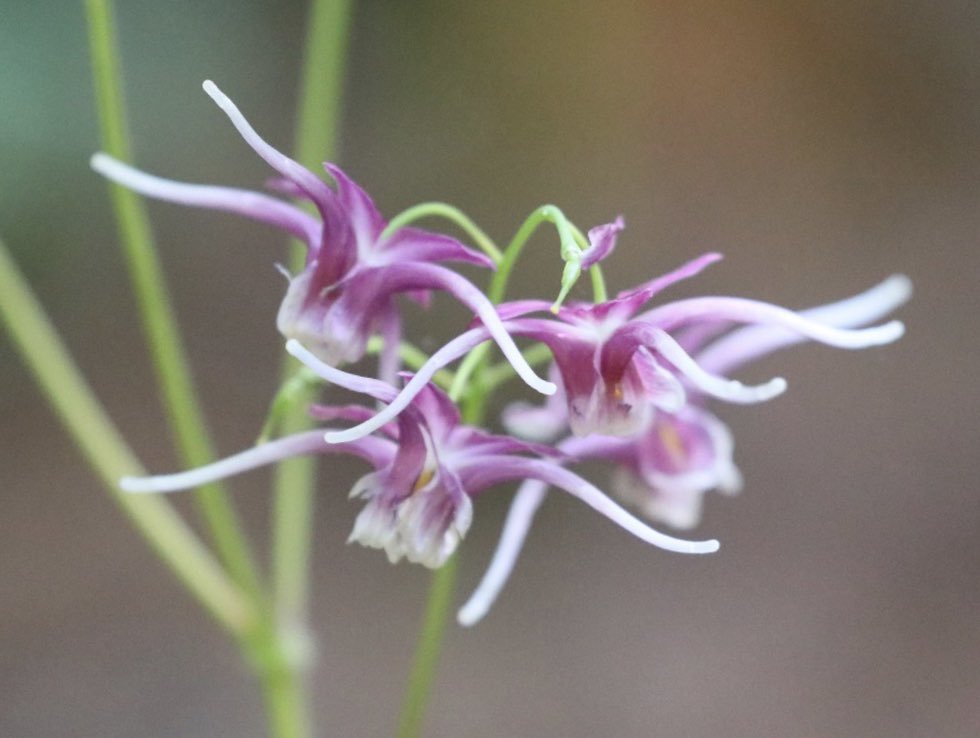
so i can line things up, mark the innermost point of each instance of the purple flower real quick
(665, 470)
(346, 292)
(426, 470)
(619, 368)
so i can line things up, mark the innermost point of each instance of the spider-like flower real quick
(427, 467)
(620, 368)
(665, 470)
(354, 269)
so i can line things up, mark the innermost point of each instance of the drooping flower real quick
(665, 470)
(620, 368)
(426, 470)
(354, 269)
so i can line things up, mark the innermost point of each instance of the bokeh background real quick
(820, 145)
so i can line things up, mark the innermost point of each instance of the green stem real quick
(159, 324)
(90, 428)
(427, 650)
(318, 121)
(450, 213)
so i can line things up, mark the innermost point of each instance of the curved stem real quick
(450, 213)
(159, 323)
(90, 428)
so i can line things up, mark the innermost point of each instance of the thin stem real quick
(427, 649)
(100, 442)
(570, 237)
(159, 323)
(318, 120)
(450, 213)
(599, 293)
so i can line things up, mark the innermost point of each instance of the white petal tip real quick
(901, 284)
(468, 617)
(708, 547)
(545, 388)
(100, 161)
(896, 329)
(210, 87)
(777, 385)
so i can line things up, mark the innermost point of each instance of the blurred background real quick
(820, 145)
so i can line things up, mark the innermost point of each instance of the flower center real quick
(673, 443)
(424, 478)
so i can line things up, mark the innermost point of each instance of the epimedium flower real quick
(665, 470)
(354, 269)
(619, 367)
(427, 467)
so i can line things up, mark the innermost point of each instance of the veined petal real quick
(362, 213)
(315, 187)
(252, 205)
(526, 502)
(374, 450)
(741, 310)
(742, 346)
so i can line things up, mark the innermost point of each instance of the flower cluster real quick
(629, 382)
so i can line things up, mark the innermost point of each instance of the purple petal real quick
(399, 277)
(315, 188)
(373, 450)
(414, 244)
(518, 308)
(740, 310)
(526, 502)
(440, 413)
(515, 467)
(252, 205)
(351, 413)
(481, 443)
(602, 241)
(441, 358)
(363, 216)
(364, 385)
(640, 333)
(742, 346)
(627, 303)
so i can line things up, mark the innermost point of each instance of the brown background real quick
(820, 145)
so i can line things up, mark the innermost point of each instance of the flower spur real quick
(354, 269)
